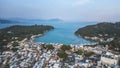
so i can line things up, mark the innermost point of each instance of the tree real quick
(15, 44)
(66, 47)
(49, 47)
(63, 55)
(21, 32)
(79, 52)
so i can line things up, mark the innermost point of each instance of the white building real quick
(109, 59)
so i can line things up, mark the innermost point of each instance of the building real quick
(109, 59)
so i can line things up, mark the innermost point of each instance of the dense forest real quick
(103, 30)
(100, 30)
(19, 32)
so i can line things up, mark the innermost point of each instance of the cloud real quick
(81, 2)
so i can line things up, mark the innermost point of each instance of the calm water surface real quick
(63, 32)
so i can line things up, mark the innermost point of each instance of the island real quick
(19, 32)
(105, 33)
(4, 21)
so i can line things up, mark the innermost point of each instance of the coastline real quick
(34, 36)
(39, 35)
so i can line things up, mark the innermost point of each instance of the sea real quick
(62, 34)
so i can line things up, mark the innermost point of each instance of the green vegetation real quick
(115, 45)
(100, 30)
(15, 44)
(66, 47)
(49, 47)
(18, 32)
(79, 52)
(103, 30)
(62, 55)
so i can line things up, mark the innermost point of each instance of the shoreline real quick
(39, 35)
(34, 36)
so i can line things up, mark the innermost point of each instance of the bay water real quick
(62, 34)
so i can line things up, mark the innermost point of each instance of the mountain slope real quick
(100, 30)
(104, 33)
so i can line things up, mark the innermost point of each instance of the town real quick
(41, 55)
(59, 33)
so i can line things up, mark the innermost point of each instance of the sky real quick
(67, 10)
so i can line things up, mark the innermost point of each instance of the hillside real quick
(105, 33)
(18, 32)
(100, 30)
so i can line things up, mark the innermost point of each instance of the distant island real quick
(13, 20)
(19, 32)
(55, 20)
(4, 21)
(105, 33)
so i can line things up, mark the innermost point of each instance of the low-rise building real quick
(109, 59)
